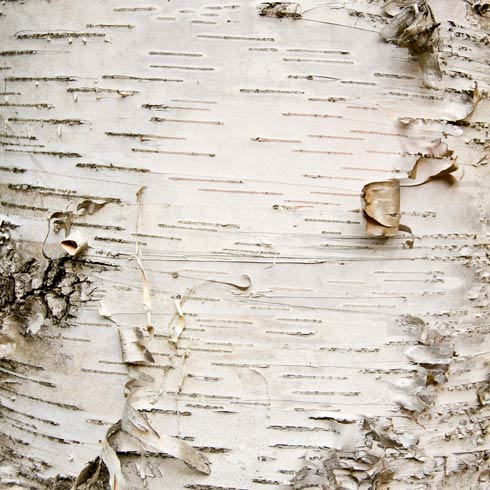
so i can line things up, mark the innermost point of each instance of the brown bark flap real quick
(382, 208)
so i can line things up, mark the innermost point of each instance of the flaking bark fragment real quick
(338, 470)
(317, 472)
(280, 9)
(427, 169)
(105, 471)
(39, 291)
(138, 435)
(134, 432)
(413, 26)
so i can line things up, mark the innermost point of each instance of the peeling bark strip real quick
(134, 433)
(236, 315)
(381, 200)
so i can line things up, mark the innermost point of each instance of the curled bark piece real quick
(381, 208)
(408, 230)
(90, 207)
(134, 346)
(280, 9)
(413, 26)
(89, 474)
(104, 311)
(74, 244)
(241, 287)
(61, 221)
(381, 200)
(179, 320)
(427, 169)
(138, 380)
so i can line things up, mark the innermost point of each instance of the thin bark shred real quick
(133, 433)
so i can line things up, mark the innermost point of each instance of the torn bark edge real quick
(134, 433)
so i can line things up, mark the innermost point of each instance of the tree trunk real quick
(194, 293)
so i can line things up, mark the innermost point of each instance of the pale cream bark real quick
(189, 293)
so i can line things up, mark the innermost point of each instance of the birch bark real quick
(217, 318)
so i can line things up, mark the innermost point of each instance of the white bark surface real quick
(253, 137)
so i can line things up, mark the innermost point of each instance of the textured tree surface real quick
(190, 295)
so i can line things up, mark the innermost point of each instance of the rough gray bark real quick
(190, 295)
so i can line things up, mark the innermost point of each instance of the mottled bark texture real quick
(206, 281)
